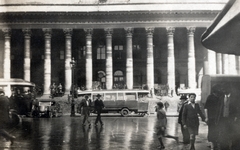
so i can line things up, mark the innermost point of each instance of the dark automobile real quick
(46, 108)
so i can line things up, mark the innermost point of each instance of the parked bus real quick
(120, 101)
(20, 93)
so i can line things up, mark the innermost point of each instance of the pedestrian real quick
(86, 108)
(98, 108)
(213, 108)
(161, 125)
(234, 117)
(190, 119)
(60, 90)
(166, 105)
(185, 133)
(4, 119)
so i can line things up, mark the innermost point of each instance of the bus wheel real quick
(124, 112)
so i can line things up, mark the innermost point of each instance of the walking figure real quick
(86, 105)
(98, 108)
(161, 125)
(190, 119)
(185, 133)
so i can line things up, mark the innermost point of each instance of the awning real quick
(223, 35)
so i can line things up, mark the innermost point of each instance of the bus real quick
(120, 101)
(20, 93)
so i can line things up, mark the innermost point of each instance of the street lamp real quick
(73, 65)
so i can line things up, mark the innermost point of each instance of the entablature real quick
(111, 19)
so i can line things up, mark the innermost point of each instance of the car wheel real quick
(124, 112)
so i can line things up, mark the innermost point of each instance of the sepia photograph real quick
(119, 75)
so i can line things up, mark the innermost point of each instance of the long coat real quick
(4, 111)
(86, 108)
(190, 116)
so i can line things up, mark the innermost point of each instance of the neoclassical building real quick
(134, 43)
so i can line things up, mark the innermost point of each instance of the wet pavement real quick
(117, 133)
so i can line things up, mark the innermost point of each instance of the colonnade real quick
(219, 62)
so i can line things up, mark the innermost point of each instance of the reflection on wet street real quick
(118, 133)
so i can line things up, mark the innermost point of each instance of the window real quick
(142, 96)
(137, 54)
(101, 54)
(61, 55)
(136, 47)
(82, 52)
(130, 96)
(118, 49)
(118, 80)
(120, 96)
(110, 96)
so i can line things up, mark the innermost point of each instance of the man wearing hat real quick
(185, 133)
(86, 105)
(98, 108)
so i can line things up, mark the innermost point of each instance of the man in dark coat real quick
(190, 118)
(86, 108)
(4, 119)
(98, 108)
(213, 112)
(185, 133)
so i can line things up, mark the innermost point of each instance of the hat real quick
(99, 95)
(183, 97)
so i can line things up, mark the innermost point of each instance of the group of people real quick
(222, 111)
(221, 114)
(86, 106)
(56, 90)
(5, 119)
(188, 119)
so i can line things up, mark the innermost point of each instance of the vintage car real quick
(120, 101)
(46, 108)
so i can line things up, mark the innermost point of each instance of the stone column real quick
(191, 59)
(89, 72)
(109, 63)
(7, 54)
(205, 62)
(47, 61)
(232, 64)
(219, 63)
(171, 59)
(150, 63)
(129, 56)
(68, 57)
(225, 63)
(238, 64)
(27, 51)
(212, 62)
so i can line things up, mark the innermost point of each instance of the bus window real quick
(120, 96)
(142, 96)
(110, 96)
(130, 96)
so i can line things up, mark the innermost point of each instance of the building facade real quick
(116, 44)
